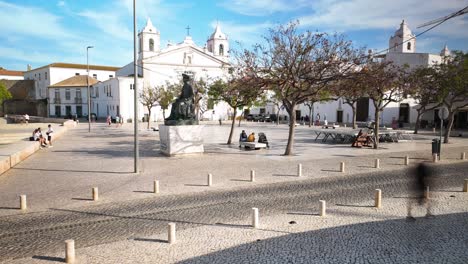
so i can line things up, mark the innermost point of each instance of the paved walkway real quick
(62, 177)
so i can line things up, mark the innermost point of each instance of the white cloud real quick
(246, 34)
(31, 21)
(60, 3)
(262, 7)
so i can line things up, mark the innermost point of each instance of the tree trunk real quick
(197, 112)
(240, 118)
(449, 125)
(376, 127)
(149, 118)
(233, 123)
(292, 125)
(310, 115)
(353, 107)
(418, 121)
(164, 114)
(277, 116)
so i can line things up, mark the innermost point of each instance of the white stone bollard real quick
(255, 221)
(407, 160)
(95, 194)
(156, 187)
(378, 198)
(342, 166)
(377, 164)
(435, 159)
(252, 175)
(23, 203)
(210, 179)
(299, 170)
(70, 251)
(171, 233)
(463, 156)
(465, 186)
(323, 208)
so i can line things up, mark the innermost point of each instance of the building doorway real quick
(68, 112)
(79, 110)
(298, 115)
(362, 109)
(403, 116)
(339, 116)
(58, 112)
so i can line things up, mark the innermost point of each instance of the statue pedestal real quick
(177, 140)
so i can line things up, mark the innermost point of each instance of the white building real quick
(158, 65)
(57, 72)
(70, 96)
(402, 51)
(10, 75)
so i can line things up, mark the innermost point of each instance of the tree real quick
(167, 93)
(383, 82)
(323, 96)
(452, 79)
(236, 93)
(4, 94)
(423, 89)
(149, 96)
(200, 91)
(298, 66)
(351, 89)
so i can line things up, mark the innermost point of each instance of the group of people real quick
(118, 120)
(251, 138)
(44, 141)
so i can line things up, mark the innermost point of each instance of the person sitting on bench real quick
(251, 137)
(242, 137)
(263, 139)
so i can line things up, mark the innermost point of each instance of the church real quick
(158, 65)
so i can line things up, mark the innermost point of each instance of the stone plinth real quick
(177, 140)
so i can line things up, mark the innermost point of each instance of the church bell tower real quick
(148, 41)
(218, 44)
(403, 41)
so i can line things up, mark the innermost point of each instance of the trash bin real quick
(436, 146)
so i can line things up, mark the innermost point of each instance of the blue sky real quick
(39, 32)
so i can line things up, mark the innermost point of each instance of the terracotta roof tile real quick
(10, 73)
(79, 66)
(75, 81)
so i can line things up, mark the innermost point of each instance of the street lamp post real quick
(87, 84)
(135, 93)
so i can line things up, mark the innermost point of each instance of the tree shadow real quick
(355, 205)
(48, 258)
(82, 199)
(9, 208)
(396, 241)
(151, 240)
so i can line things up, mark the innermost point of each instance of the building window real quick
(78, 94)
(111, 76)
(77, 73)
(110, 91)
(151, 45)
(67, 94)
(131, 86)
(45, 74)
(221, 50)
(39, 76)
(95, 76)
(408, 46)
(97, 91)
(57, 95)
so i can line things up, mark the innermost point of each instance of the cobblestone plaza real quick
(128, 224)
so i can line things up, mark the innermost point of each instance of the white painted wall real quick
(11, 77)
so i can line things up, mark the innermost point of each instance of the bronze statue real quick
(183, 109)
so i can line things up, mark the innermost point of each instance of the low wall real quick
(14, 153)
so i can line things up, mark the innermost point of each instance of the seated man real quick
(243, 137)
(263, 139)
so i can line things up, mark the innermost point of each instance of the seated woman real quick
(38, 137)
(251, 137)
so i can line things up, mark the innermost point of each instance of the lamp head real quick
(89, 47)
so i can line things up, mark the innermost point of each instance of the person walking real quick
(108, 120)
(417, 189)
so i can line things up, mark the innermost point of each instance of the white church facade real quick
(158, 65)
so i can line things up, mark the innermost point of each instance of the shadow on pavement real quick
(439, 240)
(47, 258)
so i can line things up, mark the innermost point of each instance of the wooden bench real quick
(252, 145)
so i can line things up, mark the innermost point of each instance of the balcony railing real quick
(56, 100)
(78, 100)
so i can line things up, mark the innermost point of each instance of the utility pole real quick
(135, 91)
